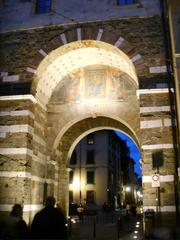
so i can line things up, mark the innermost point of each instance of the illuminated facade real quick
(96, 175)
(70, 68)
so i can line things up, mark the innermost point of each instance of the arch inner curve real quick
(62, 61)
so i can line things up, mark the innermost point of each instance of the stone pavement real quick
(107, 226)
(162, 228)
(113, 226)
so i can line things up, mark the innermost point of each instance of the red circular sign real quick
(155, 177)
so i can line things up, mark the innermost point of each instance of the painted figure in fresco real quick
(121, 87)
(95, 83)
(69, 89)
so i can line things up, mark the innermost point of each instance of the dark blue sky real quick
(134, 152)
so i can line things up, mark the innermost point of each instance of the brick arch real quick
(115, 123)
(72, 136)
(81, 32)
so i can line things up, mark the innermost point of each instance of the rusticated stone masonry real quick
(140, 39)
(36, 140)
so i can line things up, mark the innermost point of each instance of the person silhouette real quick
(80, 210)
(14, 227)
(49, 223)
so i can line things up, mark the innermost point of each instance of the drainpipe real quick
(80, 166)
(174, 98)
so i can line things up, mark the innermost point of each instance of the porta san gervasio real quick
(71, 68)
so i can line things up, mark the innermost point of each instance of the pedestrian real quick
(80, 210)
(14, 227)
(123, 211)
(133, 210)
(49, 223)
(104, 206)
(127, 210)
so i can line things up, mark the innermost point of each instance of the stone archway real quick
(82, 86)
(81, 33)
(44, 118)
(34, 126)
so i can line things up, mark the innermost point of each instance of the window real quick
(90, 157)
(90, 197)
(90, 177)
(43, 6)
(90, 139)
(70, 196)
(73, 159)
(71, 175)
(125, 2)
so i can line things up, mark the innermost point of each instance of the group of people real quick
(48, 223)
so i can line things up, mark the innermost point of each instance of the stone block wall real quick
(23, 160)
(158, 154)
(26, 48)
(16, 130)
(26, 131)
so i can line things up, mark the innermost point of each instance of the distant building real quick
(96, 171)
(130, 182)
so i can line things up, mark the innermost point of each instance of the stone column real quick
(158, 151)
(16, 134)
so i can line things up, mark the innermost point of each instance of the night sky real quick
(134, 152)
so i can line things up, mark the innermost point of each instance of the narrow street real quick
(112, 226)
(107, 226)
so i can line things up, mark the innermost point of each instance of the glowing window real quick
(43, 6)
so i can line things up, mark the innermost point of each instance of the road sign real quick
(155, 180)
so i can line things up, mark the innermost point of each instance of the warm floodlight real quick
(76, 184)
(128, 189)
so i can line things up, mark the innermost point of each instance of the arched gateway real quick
(78, 88)
(84, 86)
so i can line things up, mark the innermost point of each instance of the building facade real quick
(95, 170)
(69, 68)
(130, 183)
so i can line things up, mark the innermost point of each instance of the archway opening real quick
(84, 86)
(102, 173)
